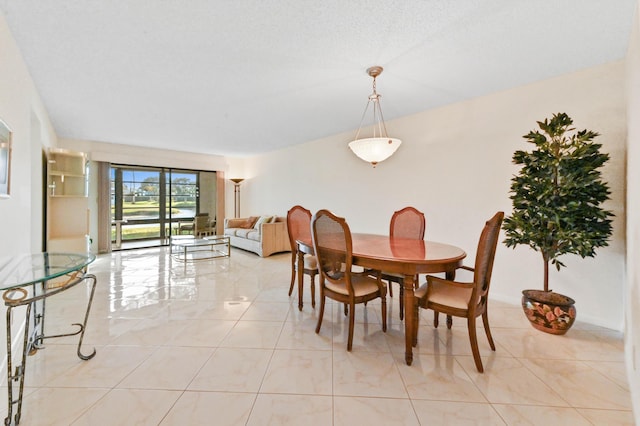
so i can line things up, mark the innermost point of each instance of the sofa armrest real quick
(275, 238)
(273, 226)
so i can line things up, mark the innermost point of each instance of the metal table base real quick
(34, 334)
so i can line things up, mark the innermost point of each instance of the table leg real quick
(94, 281)
(300, 277)
(409, 306)
(81, 327)
(18, 374)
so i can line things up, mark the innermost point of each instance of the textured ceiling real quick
(240, 77)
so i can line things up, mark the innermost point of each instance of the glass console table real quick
(27, 280)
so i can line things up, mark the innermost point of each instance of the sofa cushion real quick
(253, 235)
(230, 231)
(243, 233)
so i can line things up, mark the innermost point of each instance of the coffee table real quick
(186, 247)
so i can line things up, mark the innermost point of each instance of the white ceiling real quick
(240, 77)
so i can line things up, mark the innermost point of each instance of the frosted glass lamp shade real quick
(374, 150)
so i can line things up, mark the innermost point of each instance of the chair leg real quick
(449, 321)
(352, 320)
(320, 313)
(390, 288)
(313, 291)
(401, 301)
(293, 275)
(384, 313)
(416, 322)
(485, 321)
(473, 339)
(436, 320)
(346, 309)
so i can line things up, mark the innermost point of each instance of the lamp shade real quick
(374, 150)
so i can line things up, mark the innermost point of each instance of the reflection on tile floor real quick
(219, 342)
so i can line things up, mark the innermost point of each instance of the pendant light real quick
(380, 146)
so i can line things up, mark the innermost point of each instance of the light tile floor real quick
(220, 342)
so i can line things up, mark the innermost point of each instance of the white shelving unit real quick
(68, 204)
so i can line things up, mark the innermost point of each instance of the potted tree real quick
(557, 197)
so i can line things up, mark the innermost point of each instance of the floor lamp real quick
(236, 196)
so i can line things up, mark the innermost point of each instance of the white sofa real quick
(263, 239)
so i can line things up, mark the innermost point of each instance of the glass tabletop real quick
(21, 270)
(194, 242)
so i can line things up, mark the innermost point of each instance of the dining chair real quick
(189, 226)
(299, 226)
(405, 223)
(333, 248)
(464, 299)
(185, 227)
(202, 225)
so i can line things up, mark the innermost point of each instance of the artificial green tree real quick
(557, 194)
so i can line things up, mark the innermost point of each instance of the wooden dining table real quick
(399, 255)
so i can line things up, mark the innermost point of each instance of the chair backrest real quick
(407, 223)
(201, 223)
(333, 247)
(485, 255)
(298, 224)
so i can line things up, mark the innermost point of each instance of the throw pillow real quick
(250, 222)
(261, 220)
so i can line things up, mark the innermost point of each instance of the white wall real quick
(22, 110)
(21, 214)
(455, 165)
(632, 305)
(37, 200)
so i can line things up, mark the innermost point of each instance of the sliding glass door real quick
(181, 202)
(150, 204)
